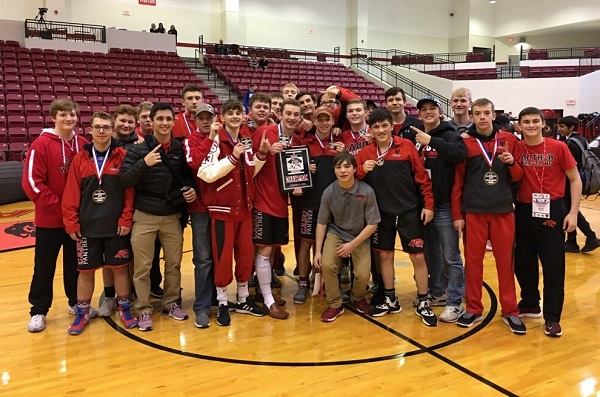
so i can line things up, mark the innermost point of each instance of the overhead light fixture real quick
(492, 1)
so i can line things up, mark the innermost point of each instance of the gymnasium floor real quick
(394, 355)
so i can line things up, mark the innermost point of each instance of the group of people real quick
(376, 172)
(161, 29)
(256, 63)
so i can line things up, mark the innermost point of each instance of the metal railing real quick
(556, 53)
(52, 30)
(391, 77)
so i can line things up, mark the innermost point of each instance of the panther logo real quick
(21, 229)
(549, 223)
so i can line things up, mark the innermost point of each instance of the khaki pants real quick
(144, 231)
(331, 265)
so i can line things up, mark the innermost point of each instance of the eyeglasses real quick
(328, 103)
(97, 128)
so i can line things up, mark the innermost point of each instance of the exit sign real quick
(147, 2)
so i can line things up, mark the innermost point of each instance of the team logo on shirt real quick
(537, 160)
(361, 198)
(549, 223)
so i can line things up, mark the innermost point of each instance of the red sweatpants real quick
(501, 231)
(232, 240)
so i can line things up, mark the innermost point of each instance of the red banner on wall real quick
(147, 2)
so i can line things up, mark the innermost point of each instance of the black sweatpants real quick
(543, 239)
(48, 242)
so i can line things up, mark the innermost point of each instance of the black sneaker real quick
(467, 319)
(157, 292)
(427, 315)
(571, 247)
(388, 306)
(515, 324)
(591, 244)
(552, 329)
(378, 295)
(249, 307)
(280, 268)
(223, 317)
(275, 282)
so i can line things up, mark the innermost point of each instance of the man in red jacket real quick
(44, 178)
(98, 212)
(228, 192)
(191, 98)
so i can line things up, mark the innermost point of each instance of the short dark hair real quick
(569, 121)
(232, 104)
(161, 106)
(260, 97)
(101, 116)
(303, 93)
(394, 91)
(276, 95)
(344, 157)
(481, 102)
(379, 115)
(530, 111)
(190, 88)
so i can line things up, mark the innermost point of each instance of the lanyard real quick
(187, 124)
(99, 168)
(488, 159)
(379, 154)
(231, 138)
(361, 134)
(321, 142)
(540, 179)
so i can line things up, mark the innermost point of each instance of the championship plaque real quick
(293, 168)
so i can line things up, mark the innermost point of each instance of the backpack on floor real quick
(590, 170)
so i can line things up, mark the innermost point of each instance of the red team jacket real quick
(45, 175)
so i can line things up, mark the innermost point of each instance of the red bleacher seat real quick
(17, 151)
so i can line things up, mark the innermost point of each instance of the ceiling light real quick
(492, 1)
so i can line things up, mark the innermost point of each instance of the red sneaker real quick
(331, 314)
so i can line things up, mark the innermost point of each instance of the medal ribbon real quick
(187, 123)
(379, 154)
(488, 159)
(360, 133)
(321, 142)
(99, 168)
(540, 179)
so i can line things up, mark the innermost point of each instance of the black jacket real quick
(157, 190)
(445, 149)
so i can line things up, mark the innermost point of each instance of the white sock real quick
(242, 292)
(222, 296)
(263, 273)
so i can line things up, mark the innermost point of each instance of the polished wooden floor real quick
(394, 355)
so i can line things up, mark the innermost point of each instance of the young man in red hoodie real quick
(228, 192)
(44, 179)
(98, 212)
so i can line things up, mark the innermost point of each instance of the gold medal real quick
(490, 178)
(99, 196)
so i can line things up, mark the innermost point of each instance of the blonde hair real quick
(462, 91)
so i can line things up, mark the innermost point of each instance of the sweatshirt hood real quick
(50, 133)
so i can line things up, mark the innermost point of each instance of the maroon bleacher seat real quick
(17, 151)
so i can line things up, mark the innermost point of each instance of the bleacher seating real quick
(30, 79)
(308, 76)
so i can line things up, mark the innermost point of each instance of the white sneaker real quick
(37, 323)
(451, 314)
(488, 246)
(107, 308)
(93, 313)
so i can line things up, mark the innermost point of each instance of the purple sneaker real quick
(176, 311)
(145, 322)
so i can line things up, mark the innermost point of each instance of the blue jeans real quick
(203, 262)
(444, 263)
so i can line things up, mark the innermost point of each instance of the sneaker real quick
(530, 312)
(427, 315)
(157, 292)
(433, 300)
(176, 311)
(301, 295)
(571, 247)
(202, 320)
(280, 268)
(223, 318)
(37, 323)
(107, 307)
(93, 313)
(386, 307)
(515, 324)
(488, 246)
(249, 307)
(451, 313)
(331, 314)
(590, 245)
(362, 306)
(81, 321)
(553, 329)
(145, 322)
(275, 282)
(467, 319)
(378, 295)
(128, 320)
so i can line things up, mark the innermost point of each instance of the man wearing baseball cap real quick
(441, 147)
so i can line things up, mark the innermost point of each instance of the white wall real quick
(589, 99)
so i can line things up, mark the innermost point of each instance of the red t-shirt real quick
(353, 141)
(548, 163)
